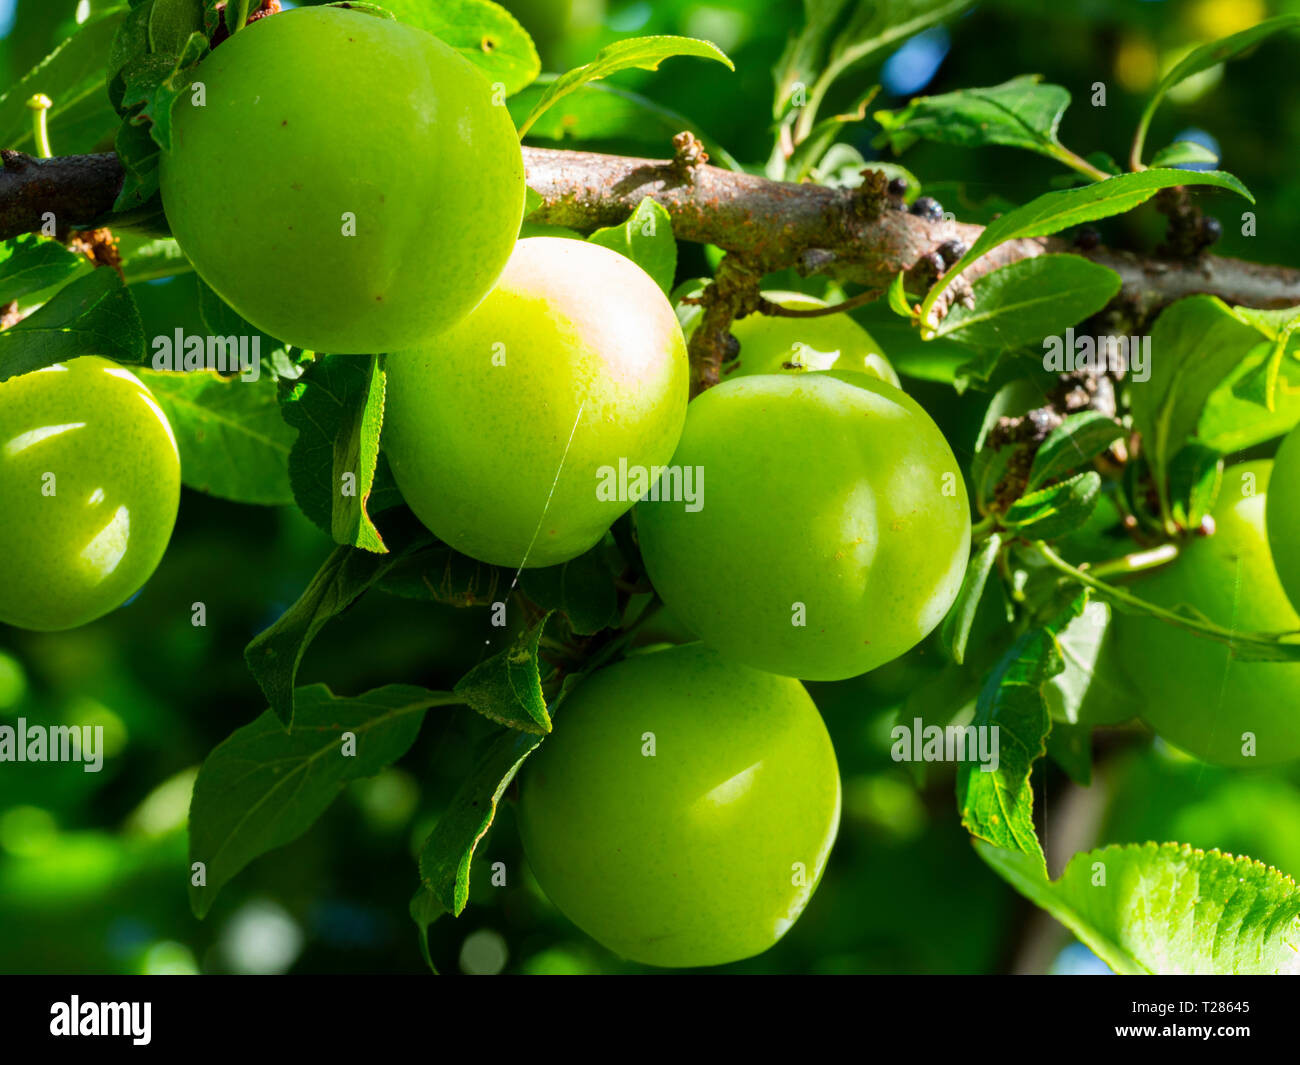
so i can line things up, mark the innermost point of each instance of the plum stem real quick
(40, 105)
(1270, 643)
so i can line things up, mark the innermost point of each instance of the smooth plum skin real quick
(476, 445)
(831, 490)
(316, 112)
(1193, 692)
(71, 557)
(687, 857)
(772, 344)
(1283, 515)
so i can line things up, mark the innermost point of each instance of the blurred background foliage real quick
(93, 866)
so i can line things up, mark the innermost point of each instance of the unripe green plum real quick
(90, 479)
(506, 435)
(771, 344)
(1283, 515)
(1194, 693)
(833, 531)
(683, 810)
(348, 184)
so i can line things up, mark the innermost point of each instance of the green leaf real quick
(425, 909)
(597, 112)
(274, 654)
(1055, 211)
(1260, 386)
(1184, 153)
(1195, 477)
(805, 52)
(1052, 512)
(91, 315)
(233, 442)
(644, 53)
(71, 74)
(364, 6)
(507, 688)
(30, 263)
(581, 589)
(237, 13)
(1208, 55)
(483, 32)
(171, 22)
(151, 88)
(998, 806)
(955, 631)
(861, 29)
(1168, 908)
(266, 785)
(1079, 439)
(139, 155)
(1020, 113)
(130, 45)
(1195, 343)
(152, 259)
(898, 298)
(446, 855)
(812, 152)
(647, 239)
(842, 167)
(1230, 424)
(438, 574)
(1024, 301)
(337, 406)
(1079, 645)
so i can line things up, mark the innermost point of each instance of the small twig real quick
(733, 294)
(1201, 628)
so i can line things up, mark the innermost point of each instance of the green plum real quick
(1283, 515)
(771, 344)
(509, 436)
(833, 531)
(347, 183)
(684, 808)
(1193, 692)
(90, 478)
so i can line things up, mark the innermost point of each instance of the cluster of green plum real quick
(684, 810)
(805, 519)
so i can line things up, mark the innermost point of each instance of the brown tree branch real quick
(75, 189)
(777, 225)
(853, 235)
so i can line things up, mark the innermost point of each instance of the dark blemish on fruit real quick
(488, 44)
(284, 121)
